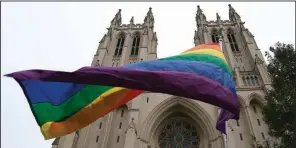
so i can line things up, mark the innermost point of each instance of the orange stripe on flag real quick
(214, 46)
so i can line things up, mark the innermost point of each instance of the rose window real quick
(178, 134)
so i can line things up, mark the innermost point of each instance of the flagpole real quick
(225, 136)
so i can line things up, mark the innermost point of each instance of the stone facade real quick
(140, 122)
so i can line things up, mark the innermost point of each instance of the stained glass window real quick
(178, 134)
(136, 44)
(119, 45)
(232, 41)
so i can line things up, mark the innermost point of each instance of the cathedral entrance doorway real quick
(180, 123)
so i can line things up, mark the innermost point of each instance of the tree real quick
(280, 111)
(265, 144)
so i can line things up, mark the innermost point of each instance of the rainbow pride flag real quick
(64, 102)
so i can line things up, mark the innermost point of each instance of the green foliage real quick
(265, 144)
(280, 110)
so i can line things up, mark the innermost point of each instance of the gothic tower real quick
(154, 120)
(123, 44)
(127, 43)
(248, 66)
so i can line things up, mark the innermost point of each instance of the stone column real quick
(206, 37)
(264, 73)
(247, 113)
(144, 42)
(107, 130)
(124, 56)
(238, 77)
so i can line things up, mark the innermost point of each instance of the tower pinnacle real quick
(200, 17)
(132, 20)
(149, 19)
(233, 15)
(218, 16)
(117, 18)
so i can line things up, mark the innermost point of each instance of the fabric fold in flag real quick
(64, 102)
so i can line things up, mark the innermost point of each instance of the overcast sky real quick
(65, 36)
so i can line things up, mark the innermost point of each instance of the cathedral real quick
(154, 120)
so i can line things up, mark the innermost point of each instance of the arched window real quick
(253, 80)
(232, 41)
(178, 134)
(215, 36)
(248, 81)
(256, 80)
(136, 44)
(119, 45)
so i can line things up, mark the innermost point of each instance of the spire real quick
(218, 16)
(200, 17)
(199, 11)
(117, 18)
(150, 10)
(132, 20)
(149, 17)
(219, 21)
(230, 8)
(233, 15)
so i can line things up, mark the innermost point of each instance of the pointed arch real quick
(136, 43)
(248, 81)
(206, 125)
(256, 80)
(256, 98)
(242, 101)
(215, 35)
(253, 80)
(136, 33)
(120, 42)
(232, 40)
